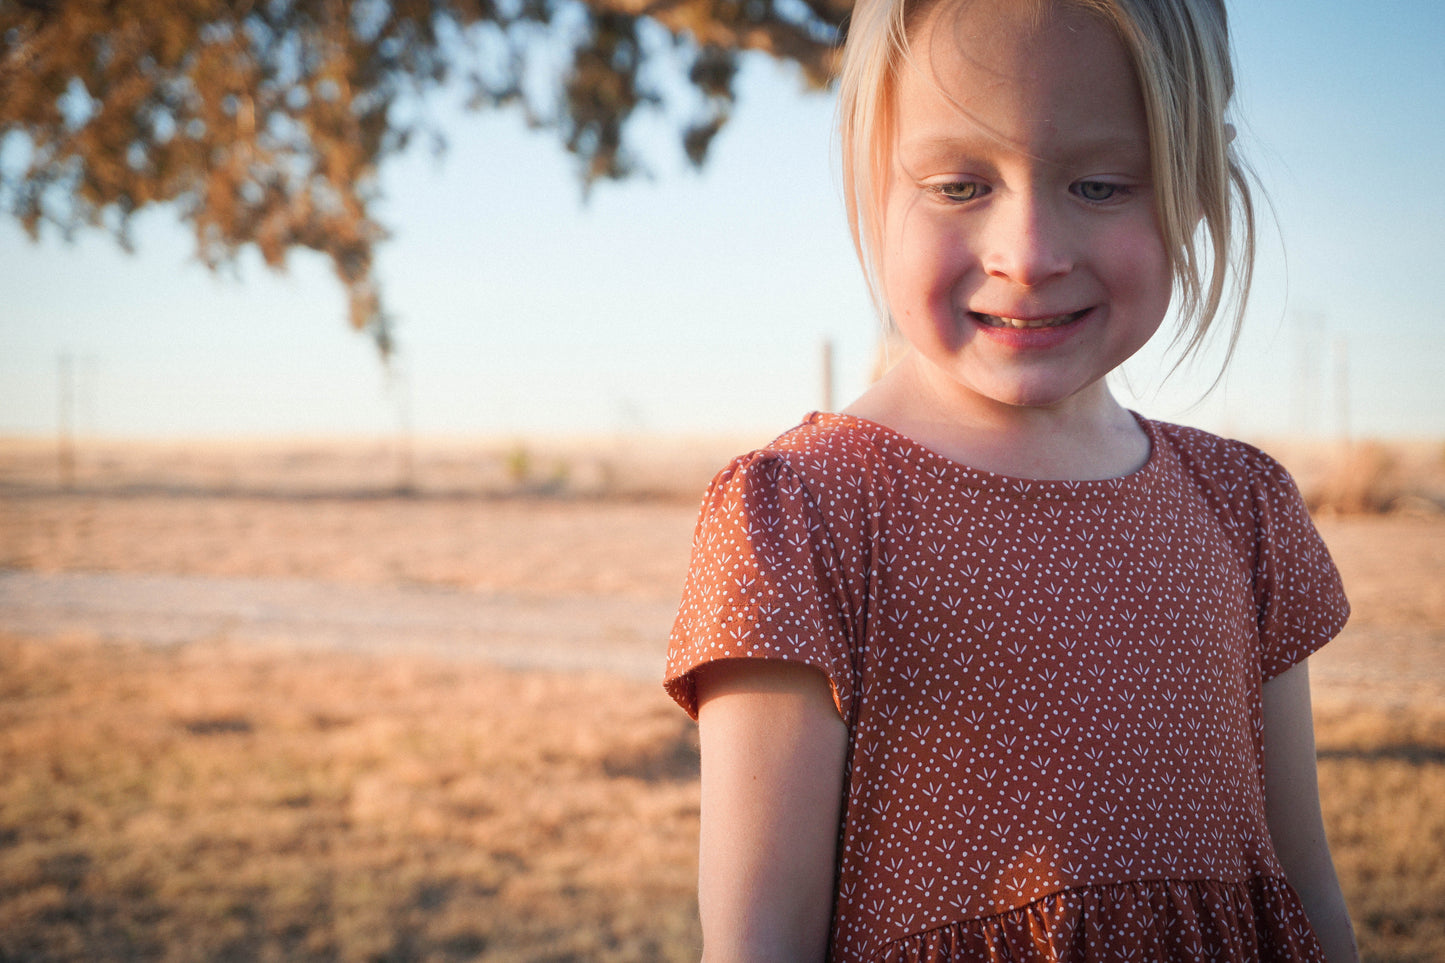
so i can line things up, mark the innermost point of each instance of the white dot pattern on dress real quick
(1052, 688)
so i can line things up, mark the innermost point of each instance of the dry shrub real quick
(1362, 479)
(204, 804)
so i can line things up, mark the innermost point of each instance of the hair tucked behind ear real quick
(1182, 60)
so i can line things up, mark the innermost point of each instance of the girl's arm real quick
(1292, 807)
(773, 749)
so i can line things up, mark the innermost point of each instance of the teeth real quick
(995, 321)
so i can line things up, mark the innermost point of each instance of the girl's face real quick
(1022, 258)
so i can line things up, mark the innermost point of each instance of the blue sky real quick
(695, 302)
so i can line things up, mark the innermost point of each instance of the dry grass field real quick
(202, 804)
(210, 801)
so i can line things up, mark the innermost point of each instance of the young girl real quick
(988, 667)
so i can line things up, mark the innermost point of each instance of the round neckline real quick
(983, 477)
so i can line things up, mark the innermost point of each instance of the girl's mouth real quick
(1054, 321)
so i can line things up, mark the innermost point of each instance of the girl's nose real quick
(1025, 242)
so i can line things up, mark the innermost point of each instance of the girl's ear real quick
(1229, 133)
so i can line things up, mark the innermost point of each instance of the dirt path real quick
(560, 583)
(1377, 665)
(574, 632)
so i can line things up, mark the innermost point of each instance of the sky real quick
(698, 302)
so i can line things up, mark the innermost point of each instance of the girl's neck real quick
(1088, 438)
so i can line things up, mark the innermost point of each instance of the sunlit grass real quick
(210, 804)
(1382, 782)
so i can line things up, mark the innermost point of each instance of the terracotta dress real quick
(1052, 689)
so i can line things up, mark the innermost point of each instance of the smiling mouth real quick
(1054, 321)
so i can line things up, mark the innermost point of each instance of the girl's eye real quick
(960, 191)
(1098, 190)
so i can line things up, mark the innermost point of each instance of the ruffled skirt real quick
(1167, 921)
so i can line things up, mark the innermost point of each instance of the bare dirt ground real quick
(506, 568)
(255, 703)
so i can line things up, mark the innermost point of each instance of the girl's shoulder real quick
(826, 437)
(831, 475)
(1233, 471)
(829, 455)
(1209, 454)
(1253, 496)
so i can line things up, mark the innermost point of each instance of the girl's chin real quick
(1059, 390)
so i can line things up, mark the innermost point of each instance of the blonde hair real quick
(1180, 50)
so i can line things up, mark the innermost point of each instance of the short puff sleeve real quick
(764, 582)
(1300, 597)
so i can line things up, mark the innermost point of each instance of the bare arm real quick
(1292, 807)
(773, 751)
